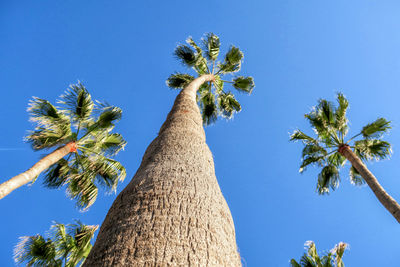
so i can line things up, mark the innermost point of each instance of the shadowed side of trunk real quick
(386, 200)
(172, 213)
(21, 179)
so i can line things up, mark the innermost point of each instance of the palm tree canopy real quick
(78, 119)
(212, 97)
(65, 245)
(330, 125)
(311, 258)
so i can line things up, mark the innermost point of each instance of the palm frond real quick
(108, 172)
(186, 55)
(82, 188)
(376, 129)
(340, 114)
(244, 84)
(228, 105)
(108, 116)
(57, 174)
(298, 135)
(200, 64)
(36, 251)
(179, 80)
(208, 108)
(294, 263)
(355, 177)
(53, 127)
(327, 112)
(368, 149)
(233, 60)
(328, 179)
(218, 84)
(103, 143)
(211, 43)
(336, 159)
(78, 102)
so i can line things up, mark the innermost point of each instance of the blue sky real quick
(297, 52)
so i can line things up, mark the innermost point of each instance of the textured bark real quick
(172, 213)
(43, 164)
(387, 201)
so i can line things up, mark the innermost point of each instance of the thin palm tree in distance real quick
(66, 245)
(81, 133)
(330, 149)
(173, 213)
(333, 258)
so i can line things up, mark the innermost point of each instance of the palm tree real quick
(311, 259)
(82, 158)
(173, 213)
(67, 245)
(330, 150)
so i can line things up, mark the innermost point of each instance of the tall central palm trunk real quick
(23, 178)
(387, 201)
(172, 213)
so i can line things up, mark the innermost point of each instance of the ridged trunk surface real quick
(172, 213)
(21, 179)
(386, 200)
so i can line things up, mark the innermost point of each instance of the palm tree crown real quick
(212, 98)
(311, 259)
(89, 126)
(66, 245)
(331, 127)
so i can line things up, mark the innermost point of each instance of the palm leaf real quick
(36, 251)
(57, 174)
(244, 84)
(340, 114)
(78, 101)
(186, 55)
(179, 80)
(376, 129)
(355, 177)
(233, 60)
(298, 135)
(369, 149)
(228, 105)
(208, 108)
(328, 179)
(211, 43)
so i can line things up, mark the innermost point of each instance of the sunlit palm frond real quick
(82, 188)
(376, 129)
(108, 116)
(244, 84)
(211, 43)
(233, 61)
(311, 258)
(341, 121)
(57, 174)
(328, 179)
(336, 159)
(298, 135)
(228, 105)
(368, 149)
(355, 177)
(78, 102)
(82, 235)
(179, 80)
(208, 108)
(53, 127)
(186, 55)
(36, 251)
(103, 143)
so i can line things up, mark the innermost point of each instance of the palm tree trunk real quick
(172, 213)
(27, 176)
(387, 201)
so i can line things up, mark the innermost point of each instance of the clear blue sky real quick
(297, 51)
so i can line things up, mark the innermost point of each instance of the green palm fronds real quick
(333, 258)
(212, 98)
(65, 245)
(330, 124)
(89, 124)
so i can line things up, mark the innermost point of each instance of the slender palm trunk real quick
(387, 201)
(172, 213)
(21, 179)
